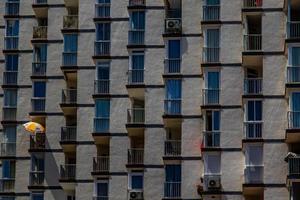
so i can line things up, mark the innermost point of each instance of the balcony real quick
(211, 97)
(211, 13)
(252, 42)
(102, 48)
(137, 3)
(136, 37)
(293, 30)
(135, 157)
(253, 86)
(68, 138)
(37, 143)
(254, 174)
(9, 113)
(38, 104)
(12, 8)
(40, 32)
(70, 22)
(172, 189)
(11, 43)
(211, 55)
(7, 185)
(293, 130)
(252, 3)
(253, 130)
(211, 139)
(102, 10)
(100, 165)
(172, 148)
(172, 66)
(293, 75)
(8, 149)
(68, 172)
(101, 124)
(10, 78)
(294, 168)
(101, 86)
(36, 178)
(39, 68)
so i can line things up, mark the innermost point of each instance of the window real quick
(212, 87)
(12, 27)
(103, 70)
(11, 62)
(37, 163)
(212, 164)
(102, 31)
(294, 56)
(294, 114)
(9, 134)
(211, 50)
(173, 96)
(213, 80)
(40, 53)
(212, 129)
(8, 169)
(12, 7)
(101, 189)
(136, 73)
(174, 55)
(172, 181)
(39, 89)
(37, 196)
(10, 97)
(70, 42)
(103, 8)
(102, 110)
(254, 111)
(254, 155)
(137, 20)
(136, 181)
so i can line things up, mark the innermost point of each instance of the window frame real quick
(130, 175)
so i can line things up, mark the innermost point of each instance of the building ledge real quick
(137, 7)
(98, 134)
(211, 22)
(175, 116)
(135, 125)
(103, 173)
(209, 149)
(292, 85)
(250, 96)
(177, 75)
(70, 30)
(212, 64)
(176, 34)
(253, 53)
(292, 40)
(105, 57)
(255, 140)
(216, 106)
(135, 165)
(136, 46)
(293, 130)
(129, 86)
(172, 158)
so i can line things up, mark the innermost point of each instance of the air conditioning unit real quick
(214, 183)
(173, 25)
(136, 195)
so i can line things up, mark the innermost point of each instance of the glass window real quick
(213, 80)
(254, 110)
(102, 189)
(212, 38)
(70, 42)
(37, 164)
(173, 173)
(295, 103)
(8, 169)
(40, 53)
(9, 134)
(102, 108)
(173, 89)
(294, 56)
(137, 60)
(254, 155)
(12, 27)
(174, 49)
(136, 181)
(103, 31)
(103, 70)
(10, 97)
(39, 89)
(212, 2)
(137, 20)
(11, 62)
(37, 196)
(213, 120)
(212, 164)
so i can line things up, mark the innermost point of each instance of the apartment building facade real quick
(150, 99)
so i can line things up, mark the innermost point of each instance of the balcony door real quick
(8, 169)
(137, 67)
(212, 129)
(294, 56)
(11, 62)
(174, 54)
(173, 96)
(295, 109)
(173, 180)
(101, 189)
(212, 87)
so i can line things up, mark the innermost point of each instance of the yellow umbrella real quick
(34, 127)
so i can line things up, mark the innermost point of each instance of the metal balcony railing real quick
(211, 55)
(36, 178)
(293, 74)
(102, 48)
(172, 189)
(11, 42)
(101, 86)
(8, 149)
(40, 32)
(172, 148)
(68, 134)
(38, 142)
(211, 138)
(294, 166)
(293, 29)
(211, 96)
(38, 104)
(172, 65)
(39, 1)
(102, 10)
(70, 22)
(69, 58)
(135, 156)
(39, 68)
(173, 106)
(136, 116)
(135, 76)
(294, 119)
(254, 174)
(12, 8)
(69, 96)
(253, 86)
(68, 172)
(101, 164)
(136, 37)
(10, 78)
(137, 3)
(211, 12)
(252, 3)
(7, 185)
(9, 113)
(253, 42)
(253, 129)
(101, 124)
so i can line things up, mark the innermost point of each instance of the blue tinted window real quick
(12, 28)
(70, 42)
(11, 62)
(39, 89)
(37, 196)
(40, 53)
(173, 173)
(213, 80)
(102, 189)
(102, 31)
(137, 181)
(103, 71)
(174, 48)
(8, 169)
(137, 20)
(173, 89)
(10, 98)
(102, 108)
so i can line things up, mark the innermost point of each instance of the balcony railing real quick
(211, 138)
(102, 10)
(9, 113)
(253, 86)
(293, 74)
(69, 59)
(135, 156)
(254, 174)
(10, 78)
(68, 134)
(137, 2)
(211, 55)
(12, 8)
(253, 129)
(39, 68)
(135, 76)
(40, 32)
(136, 37)
(211, 96)
(253, 42)
(294, 119)
(70, 22)
(101, 124)
(172, 66)
(68, 172)
(101, 86)
(101, 164)
(69, 96)
(294, 166)
(40, 1)
(36, 178)
(7, 185)
(172, 189)
(11, 42)
(136, 116)
(293, 29)
(172, 148)
(253, 3)
(102, 48)
(8, 149)
(173, 106)
(211, 12)
(38, 142)
(38, 104)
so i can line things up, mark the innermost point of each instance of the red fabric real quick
(258, 2)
